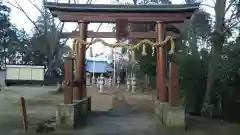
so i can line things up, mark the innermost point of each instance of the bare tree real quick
(226, 19)
(51, 40)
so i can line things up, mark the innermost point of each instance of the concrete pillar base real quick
(159, 109)
(69, 116)
(170, 116)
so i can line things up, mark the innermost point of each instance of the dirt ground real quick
(41, 105)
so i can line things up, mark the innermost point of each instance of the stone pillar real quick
(110, 82)
(80, 82)
(146, 80)
(90, 52)
(118, 82)
(128, 83)
(98, 82)
(68, 80)
(105, 81)
(93, 80)
(161, 68)
(101, 83)
(88, 80)
(133, 83)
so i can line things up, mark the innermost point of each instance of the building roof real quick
(173, 8)
(98, 66)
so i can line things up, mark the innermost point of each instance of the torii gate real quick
(170, 30)
(122, 15)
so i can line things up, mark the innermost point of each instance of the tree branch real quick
(231, 18)
(88, 2)
(61, 29)
(227, 29)
(214, 2)
(231, 26)
(35, 5)
(94, 1)
(96, 31)
(19, 7)
(229, 5)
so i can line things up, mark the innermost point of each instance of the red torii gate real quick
(122, 15)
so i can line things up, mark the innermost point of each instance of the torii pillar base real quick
(170, 116)
(70, 116)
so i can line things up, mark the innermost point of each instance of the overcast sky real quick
(21, 21)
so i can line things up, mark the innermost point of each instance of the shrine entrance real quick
(167, 104)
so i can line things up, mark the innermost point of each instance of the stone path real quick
(129, 124)
(102, 123)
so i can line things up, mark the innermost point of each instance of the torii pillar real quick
(80, 77)
(76, 105)
(168, 107)
(173, 86)
(161, 65)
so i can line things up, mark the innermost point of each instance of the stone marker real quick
(133, 83)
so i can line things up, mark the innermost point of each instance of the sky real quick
(21, 21)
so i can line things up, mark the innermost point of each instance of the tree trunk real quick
(218, 38)
(213, 64)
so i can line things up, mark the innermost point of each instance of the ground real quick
(39, 102)
(41, 105)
